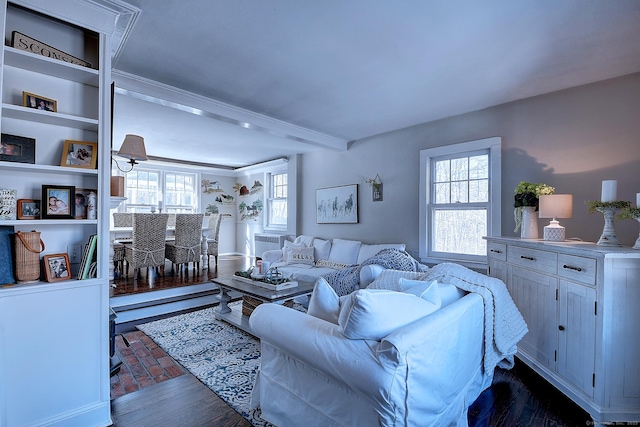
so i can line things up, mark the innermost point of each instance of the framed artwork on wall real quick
(337, 205)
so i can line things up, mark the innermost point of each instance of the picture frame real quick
(337, 205)
(81, 199)
(14, 148)
(28, 209)
(57, 267)
(58, 202)
(39, 102)
(79, 154)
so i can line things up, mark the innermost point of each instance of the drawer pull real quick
(560, 327)
(496, 251)
(568, 267)
(527, 257)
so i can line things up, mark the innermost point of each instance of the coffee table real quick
(234, 315)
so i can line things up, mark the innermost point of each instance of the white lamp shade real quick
(556, 206)
(133, 148)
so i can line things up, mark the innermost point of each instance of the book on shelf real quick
(88, 257)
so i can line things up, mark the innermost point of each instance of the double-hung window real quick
(460, 200)
(149, 190)
(277, 201)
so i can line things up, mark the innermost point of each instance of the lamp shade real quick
(556, 206)
(133, 148)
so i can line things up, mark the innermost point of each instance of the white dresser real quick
(581, 303)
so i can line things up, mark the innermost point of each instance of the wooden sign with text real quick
(24, 42)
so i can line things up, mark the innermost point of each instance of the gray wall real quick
(571, 139)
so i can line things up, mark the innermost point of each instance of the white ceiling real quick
(349, 69)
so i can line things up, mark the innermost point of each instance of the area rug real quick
(220, 355)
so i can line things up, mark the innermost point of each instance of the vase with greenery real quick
(526, 201)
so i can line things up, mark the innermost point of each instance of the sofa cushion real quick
(300, 256)
(447, 292)
(367, 251)
(344, 251)
(287, 246)
(390, 279)
(322, 248)
(427, 290)
(324, 303)
(375, 313)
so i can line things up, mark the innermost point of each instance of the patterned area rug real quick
(220, 355)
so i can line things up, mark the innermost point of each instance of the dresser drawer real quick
(577, 269)
(542, 261)
(497, 251)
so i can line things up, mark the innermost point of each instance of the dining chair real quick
(187, 246)
(213, 237)
(147, 247)
(122, 219)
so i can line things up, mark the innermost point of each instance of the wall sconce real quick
(376, 187)
(555, 206)
(132, 149)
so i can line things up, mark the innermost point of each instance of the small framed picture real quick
(83, 202)
(57, 267)
(58, 202)
(15, 148)
(28, 209)
(31, 100)
(79, 154)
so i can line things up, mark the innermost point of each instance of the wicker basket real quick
(249, 304)
(28, 256)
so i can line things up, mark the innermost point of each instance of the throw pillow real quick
(390, 279)
(300, 256)
(344, 251)
(287, 247)
(322, 248)
(375, 313)
(330, 264)
(324, 303)
(447, 292)
(428, 291)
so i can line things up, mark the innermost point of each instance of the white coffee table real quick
(234, 316)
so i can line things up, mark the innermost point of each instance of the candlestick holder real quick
(608, 237)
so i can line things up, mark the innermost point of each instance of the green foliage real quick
(593, 205)
(527, 194)
(630, 213)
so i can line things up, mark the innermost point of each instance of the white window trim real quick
(266, 226)
(494, 228)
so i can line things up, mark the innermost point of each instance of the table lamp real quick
(555, 206)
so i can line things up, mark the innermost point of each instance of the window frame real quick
(127, 206)
(268, 226)
(493, 147)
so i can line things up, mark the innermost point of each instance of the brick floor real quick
(143, 364)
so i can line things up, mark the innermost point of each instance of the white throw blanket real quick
(503, 323)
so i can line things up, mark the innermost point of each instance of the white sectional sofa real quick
(403, 352)
(305, 258)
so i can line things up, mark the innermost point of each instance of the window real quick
(460, 200)
(277, 201)
(148, 190)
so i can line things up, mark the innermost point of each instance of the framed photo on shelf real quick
(28, 209)
(58, 202)
(31, 100)
(57, 267)
(79, 154)
(337, 205)
(14, 148)
(82, 202)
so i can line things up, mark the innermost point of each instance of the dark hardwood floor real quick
(518, 397)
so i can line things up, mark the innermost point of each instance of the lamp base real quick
(554, 232)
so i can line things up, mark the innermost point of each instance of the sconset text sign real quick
(24, 42)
